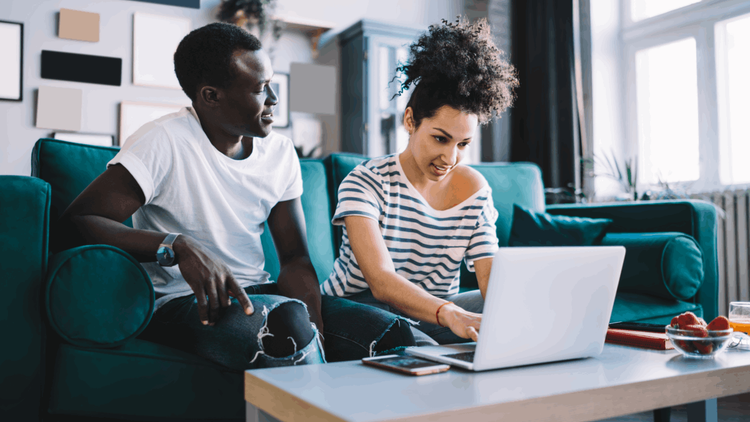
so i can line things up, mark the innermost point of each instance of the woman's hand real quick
(208, 276)
(462, 323)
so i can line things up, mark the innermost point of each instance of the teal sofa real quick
(75, 347)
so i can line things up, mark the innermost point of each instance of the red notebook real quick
(644, 339)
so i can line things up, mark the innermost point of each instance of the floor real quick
(731, 409)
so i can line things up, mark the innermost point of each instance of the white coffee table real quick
(623, 380)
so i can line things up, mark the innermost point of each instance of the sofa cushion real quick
(142, 380)
(98, 296)
(339, 165)
(317, 210)
(667, 265)
(541, 229)
(647, 308)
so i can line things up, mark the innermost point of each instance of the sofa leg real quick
(663, 414)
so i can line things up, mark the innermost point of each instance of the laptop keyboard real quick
(464, 356)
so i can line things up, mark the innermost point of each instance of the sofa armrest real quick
(692, 217)
(98, 296)
(24, 225)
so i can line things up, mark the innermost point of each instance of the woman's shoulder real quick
(381, 166)
(468, 180)
(376, 169)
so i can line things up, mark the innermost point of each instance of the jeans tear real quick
(372, 348)
(410, 321)
(262, 333)
(258, 353)
(304, 355)
(318, 336)
(294, 343)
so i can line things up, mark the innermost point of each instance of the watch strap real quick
(169, 240)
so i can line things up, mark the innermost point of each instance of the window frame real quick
(699, 21)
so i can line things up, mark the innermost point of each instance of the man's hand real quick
(463, 323)
(210, 277)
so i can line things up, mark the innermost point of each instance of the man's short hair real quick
(204, 56)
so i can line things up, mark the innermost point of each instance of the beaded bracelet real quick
(438, 312)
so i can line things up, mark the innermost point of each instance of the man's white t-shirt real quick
(192, 188)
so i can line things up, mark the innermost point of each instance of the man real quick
(200, 184)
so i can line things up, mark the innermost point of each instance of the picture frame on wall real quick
(11, 61)
(134, 114)
(280, 85)
(193, 4)
(153, 64)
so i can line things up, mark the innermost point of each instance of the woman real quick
(410, 219)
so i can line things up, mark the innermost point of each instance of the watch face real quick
(165, 255)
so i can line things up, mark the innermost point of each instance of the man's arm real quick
(96, 216)
(297, 278)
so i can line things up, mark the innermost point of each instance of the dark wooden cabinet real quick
(371, 121)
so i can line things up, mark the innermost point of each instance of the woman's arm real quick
(389, 287)
(483, 267)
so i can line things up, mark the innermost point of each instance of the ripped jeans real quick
(351, 331)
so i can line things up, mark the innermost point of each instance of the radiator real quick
(733, 246)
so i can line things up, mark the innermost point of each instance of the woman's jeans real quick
(425, 333)
(351, 330)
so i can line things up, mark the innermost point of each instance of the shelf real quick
(307, 25)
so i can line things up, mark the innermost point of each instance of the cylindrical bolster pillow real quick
(98, 296)
(667, 265)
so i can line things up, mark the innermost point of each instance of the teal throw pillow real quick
(98, 296)
(530, 228)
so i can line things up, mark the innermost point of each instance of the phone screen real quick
(406, 362)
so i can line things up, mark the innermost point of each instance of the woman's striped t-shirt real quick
(426, 245)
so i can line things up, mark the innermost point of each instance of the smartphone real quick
(406, 364)
(639, 326)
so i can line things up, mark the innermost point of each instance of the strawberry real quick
(697, 330)
(685, 319)
(719, 323)
(704, 347)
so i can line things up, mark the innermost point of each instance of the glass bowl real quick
(690, 345)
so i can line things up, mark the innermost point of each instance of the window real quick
(733, 68)
(686, 89)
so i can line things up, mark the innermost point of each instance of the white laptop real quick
(543, 304)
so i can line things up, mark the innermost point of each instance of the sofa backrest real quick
(70, 167)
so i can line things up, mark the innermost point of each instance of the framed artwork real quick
(59, 108)
(155, 39)
(133, 115)
(86, 138)
(11, 61)
(193, 4)
(280, 85)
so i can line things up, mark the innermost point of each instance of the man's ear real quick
(209, 96)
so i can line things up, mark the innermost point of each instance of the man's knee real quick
(289, 329)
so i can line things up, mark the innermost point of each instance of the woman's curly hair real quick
(457, 64)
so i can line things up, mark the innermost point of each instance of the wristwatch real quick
(165, 255)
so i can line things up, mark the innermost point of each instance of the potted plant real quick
(250, 14)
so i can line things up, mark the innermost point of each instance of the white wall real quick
(100, 103)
